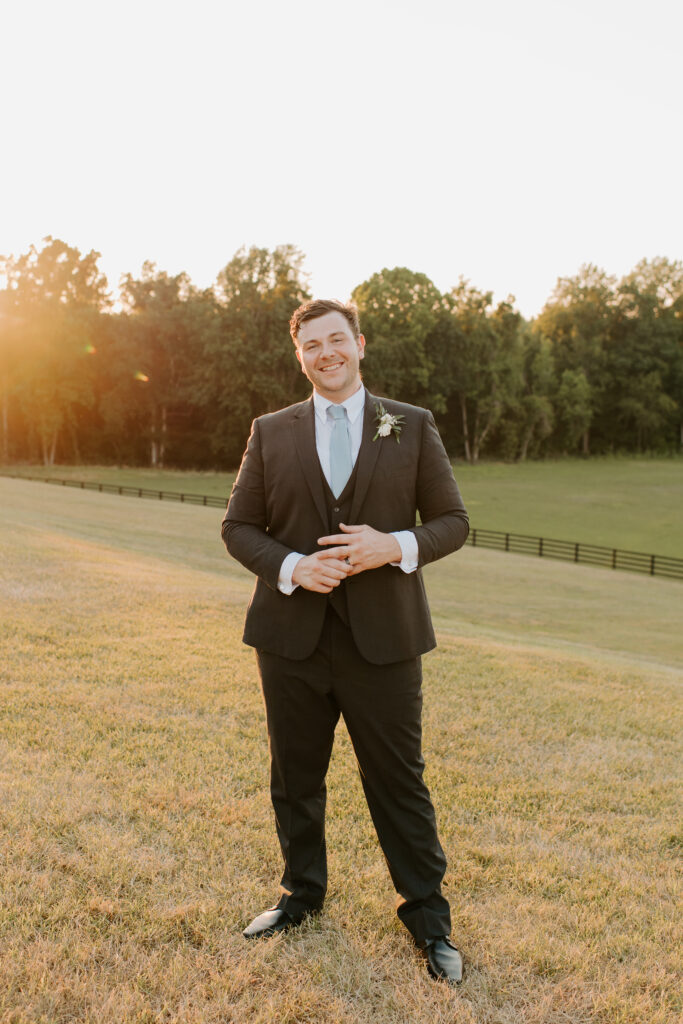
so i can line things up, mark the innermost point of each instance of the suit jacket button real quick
(336, 508)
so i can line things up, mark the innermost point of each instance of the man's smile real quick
(330, 355)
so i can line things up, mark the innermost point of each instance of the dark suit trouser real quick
(382, 706)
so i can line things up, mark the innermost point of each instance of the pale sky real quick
(508, 142)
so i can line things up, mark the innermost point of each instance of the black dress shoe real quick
(443, 959)
(270, 922)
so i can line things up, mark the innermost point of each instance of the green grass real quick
(630, 503)
(136, 836)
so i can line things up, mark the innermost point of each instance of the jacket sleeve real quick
(444, 523)
(245, 523)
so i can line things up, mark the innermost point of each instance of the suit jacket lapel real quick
(303, 425)
(367, 456)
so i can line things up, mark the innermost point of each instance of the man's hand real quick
(322, 571)
(364, 547)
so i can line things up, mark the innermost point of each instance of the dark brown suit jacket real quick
(278, 505)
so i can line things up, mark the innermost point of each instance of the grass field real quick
(136, 836)
(630, 503)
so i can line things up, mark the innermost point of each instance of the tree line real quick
(174, 374)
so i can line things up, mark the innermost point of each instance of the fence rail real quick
(518, 543)
(576, 551)
(128, 490)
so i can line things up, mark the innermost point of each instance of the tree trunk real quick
(4, 457)
(48, 444)
(465, 434)
(479, 439)
(475, 438)
(525, 444)
(162, 441)
(75, 445)
(154, 444)
(585, 448)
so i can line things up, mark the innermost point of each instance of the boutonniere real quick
(388, 424)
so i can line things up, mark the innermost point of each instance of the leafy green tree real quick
(249, 366)
(480, 362)
(120, 425)
(54, 300)
(644, 358)
(645, 408)
(10, 369)
(166, 322)
(574, 406)
(398, 311)
(533, 411)
(578, 319)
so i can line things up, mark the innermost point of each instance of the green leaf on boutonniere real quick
(388, 424)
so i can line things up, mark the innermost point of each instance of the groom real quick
(323, 511)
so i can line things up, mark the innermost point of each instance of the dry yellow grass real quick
(135, 828)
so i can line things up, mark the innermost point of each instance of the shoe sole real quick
(268, 932)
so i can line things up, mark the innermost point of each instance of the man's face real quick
(330, 356)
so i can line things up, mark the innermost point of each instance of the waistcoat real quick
(338, 511)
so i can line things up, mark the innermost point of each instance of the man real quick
(323, 512)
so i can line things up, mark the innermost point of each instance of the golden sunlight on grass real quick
(136, 837)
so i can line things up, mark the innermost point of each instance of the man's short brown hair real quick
(319, 307)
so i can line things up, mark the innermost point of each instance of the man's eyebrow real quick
(333, 334)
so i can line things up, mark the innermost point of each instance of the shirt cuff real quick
(284, 580)
(409, 550)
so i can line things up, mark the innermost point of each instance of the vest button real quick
(336, 508)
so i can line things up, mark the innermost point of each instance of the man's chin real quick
(335, 391)
(329, 388)
(332, 382)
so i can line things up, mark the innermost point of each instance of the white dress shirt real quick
(354, 406)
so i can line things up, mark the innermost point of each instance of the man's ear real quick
(361, 346)
(298, 356)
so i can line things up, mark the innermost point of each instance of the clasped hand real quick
(346, 554)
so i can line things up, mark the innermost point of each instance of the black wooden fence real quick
(576, 551)
(128, 490)
(519, 543)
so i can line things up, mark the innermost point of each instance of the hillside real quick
(136, 831)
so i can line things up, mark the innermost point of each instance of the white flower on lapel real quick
(387, 424)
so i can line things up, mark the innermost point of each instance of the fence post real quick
(540, 547)
(614, 558)
(576, 552)
(652, 564)
(507, 541)
(474, 537)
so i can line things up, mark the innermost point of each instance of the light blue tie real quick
(340, 449)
